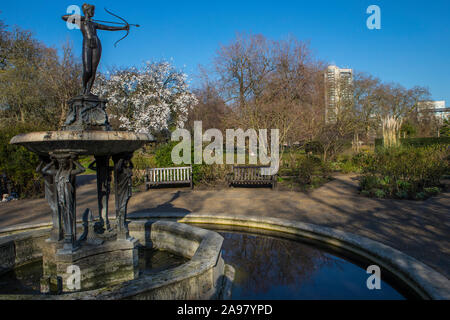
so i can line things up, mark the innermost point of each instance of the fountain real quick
(105, 260)
(104, 254)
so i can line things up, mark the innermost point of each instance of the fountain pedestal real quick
(87, 113)
(91, 266)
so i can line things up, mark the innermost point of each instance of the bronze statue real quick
(92, 48)
(123, 173)
(103, 169)
(64, 178)
(48, 169)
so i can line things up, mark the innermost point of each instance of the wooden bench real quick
(251, 175)
(176, 175)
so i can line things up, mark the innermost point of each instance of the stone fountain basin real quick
(100, 143)
(204, 276)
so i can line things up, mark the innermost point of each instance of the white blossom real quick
(151, 99)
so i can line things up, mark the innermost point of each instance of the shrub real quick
(314, 147)
(309, 166)
(163, 154)
(141, 161)
(349, 164)
(19, 164)
(419, 142)
(404, 172)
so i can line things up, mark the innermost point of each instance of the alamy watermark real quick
(374, 20)
(213, 153)
(74, 20)
(73, 282)
(374, 281)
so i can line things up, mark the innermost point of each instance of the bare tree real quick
(35, 83)
(242, 67)
(271, 84)
(211, 109)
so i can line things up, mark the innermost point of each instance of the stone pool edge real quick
(425, 281)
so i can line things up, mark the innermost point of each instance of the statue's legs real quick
(87, 68)
(57, 233)
(103, 189)
(93, 59)
(69, 237)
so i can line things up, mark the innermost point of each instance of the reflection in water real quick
(153, 261)
(274, 268)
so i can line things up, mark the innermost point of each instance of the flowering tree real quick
(152, 99)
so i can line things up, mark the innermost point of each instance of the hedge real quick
(419, 142)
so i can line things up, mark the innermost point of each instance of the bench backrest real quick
(174, 174)
(253, 173)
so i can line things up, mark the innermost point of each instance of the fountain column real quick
(56, 234)
(64, 177)
(123, 173)
(101, 165)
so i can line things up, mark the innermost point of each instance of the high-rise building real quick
(338, 90)
(437, 108)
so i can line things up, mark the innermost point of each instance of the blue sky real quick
(412, 48)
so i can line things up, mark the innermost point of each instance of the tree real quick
(152, 99)
(211, 109)
(242, 67)
(63, 81)
(445, 129)
(271, 85)
(365, 86)
(408, 129)
(35, 83)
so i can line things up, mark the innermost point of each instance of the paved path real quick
(420, 229)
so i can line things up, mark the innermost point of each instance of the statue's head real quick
(88, 10)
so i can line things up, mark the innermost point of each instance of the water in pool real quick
(275, 268)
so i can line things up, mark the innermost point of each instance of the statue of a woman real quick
(65, 175)
(101, 165)
(92, 48)
(48, 169)
(123, 173)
